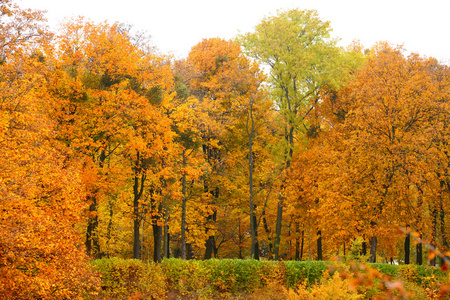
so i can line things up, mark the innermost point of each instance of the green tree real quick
(303, 58)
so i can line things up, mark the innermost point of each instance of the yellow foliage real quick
(332, 287)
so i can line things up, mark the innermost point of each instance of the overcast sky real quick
(177, 25)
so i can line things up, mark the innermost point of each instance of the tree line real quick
(111, 149)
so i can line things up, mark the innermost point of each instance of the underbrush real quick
(265, 280)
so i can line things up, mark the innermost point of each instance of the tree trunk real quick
(189, 252)
(297, 241)
(183, 212)
(211, 242)
(442, 227)
(407, 248)
(157, 238)
(136, 225)
(419, 259)
(138, 189)
(434, 219)
(301, 246)
(166, 237)
(278, 229)
(319, 245)
(266, 228)
(364, 248)
(373, 249)
(419, 251)
(256, 253)
(92, 243)
(240, 240)
(250, 132)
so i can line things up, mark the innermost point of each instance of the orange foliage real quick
(41, 192)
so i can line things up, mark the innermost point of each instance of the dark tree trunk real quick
(92, 243)
(301, 246)
(419, 251)
(210, 244)
(278, 229)
(256, 247)
(319, 245)
(419, 259)
(267, 230)
(211, 241)
(434, 220)
(364, 248)
(253, 234)
(166, 236)
(183, 212)
(213, 155)
(157, 238)
(373, 249)
(442, 227)
(297, 241)
(189, 252)
(138, 189)
(407, 248)
(240, 240)
(136, 225)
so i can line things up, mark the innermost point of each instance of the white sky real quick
(177, 25)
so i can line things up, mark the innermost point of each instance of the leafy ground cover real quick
(252, 279)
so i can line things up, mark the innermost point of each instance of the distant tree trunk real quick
(211, 242)
(92, 243)
(373, 249)
(256, 254)
(266, 229)
(138, 189)
(110, 225)
(136, 242)
(250, 132)
(183, 212)
(442, 227)
(189, 252)
(419, 259)
(364, 248)
(301, 246)
(289, 136)
(212, 155)
(166, 237)
(240, 240)
(407, 248)
(419, 251)
(157, 238)
(276, 247)
(319, 245)
(434, 220)
(297, 243)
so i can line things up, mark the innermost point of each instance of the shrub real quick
(409, 273)
(299, 271)
(332, 287)
(186, 277)
(387, 269)
(123, 279)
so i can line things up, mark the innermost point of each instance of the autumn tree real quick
(41, 190)
(383, 132)
(227, 85)
(303, 58)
